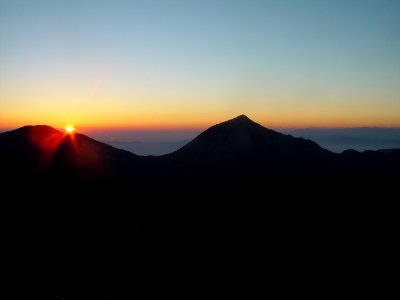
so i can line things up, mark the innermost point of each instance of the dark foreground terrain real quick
(110, 224)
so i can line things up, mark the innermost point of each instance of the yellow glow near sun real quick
(69, 129)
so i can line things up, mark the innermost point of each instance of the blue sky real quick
(190, 63)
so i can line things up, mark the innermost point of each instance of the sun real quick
(69, 129)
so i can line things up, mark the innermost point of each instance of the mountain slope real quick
(41, 151)
(242, 150)
(242, 140)
(28, 150)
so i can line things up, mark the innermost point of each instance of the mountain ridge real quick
(240, 139)
(237, 151)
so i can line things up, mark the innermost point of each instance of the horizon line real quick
(194, 128)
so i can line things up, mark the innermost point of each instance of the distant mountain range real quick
(361, 138)
(235, 153)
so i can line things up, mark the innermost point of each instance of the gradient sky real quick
(188, 64)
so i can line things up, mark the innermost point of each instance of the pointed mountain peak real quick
(237, 125)
(241, 121)
(241, 118)
(243, 140)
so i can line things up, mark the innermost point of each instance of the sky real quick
(160, 64)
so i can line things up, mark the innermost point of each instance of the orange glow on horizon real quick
(198, 120)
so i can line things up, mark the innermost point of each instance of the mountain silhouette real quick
(241, 150)
(241, 140)
(85, 156)
(236, 152)
(44, 153)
